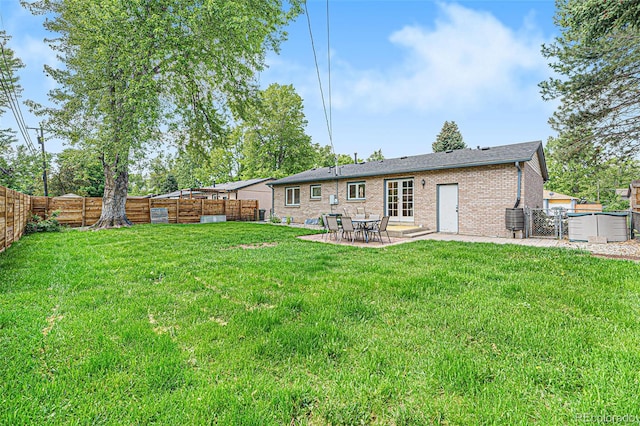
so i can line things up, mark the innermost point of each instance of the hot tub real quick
(611, 225)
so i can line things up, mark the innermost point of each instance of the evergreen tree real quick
(449, 138)
(597, 61)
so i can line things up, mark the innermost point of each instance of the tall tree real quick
(77, 171)
(376, 156)
(10, 90)
(274, 140)
(449, 138)
(599, 75)
(134, 65)
(578, 170)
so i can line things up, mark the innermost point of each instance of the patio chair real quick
(347, 228)
(374, 216)
(325, 227)
(360, 216)
(332, 227)
(380, 229)
(361, 210)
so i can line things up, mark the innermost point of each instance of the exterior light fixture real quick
(423, 182)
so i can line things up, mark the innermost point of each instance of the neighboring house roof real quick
(177, 194)
(234, 186)
(551, 195)
(520, 152)
(70, 195)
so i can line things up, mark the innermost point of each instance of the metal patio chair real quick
(347, 228)
(380, 229)
(332, 227)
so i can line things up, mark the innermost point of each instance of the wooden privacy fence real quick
(82, 211)
(14, 214)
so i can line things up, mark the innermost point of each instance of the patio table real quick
(365, 225)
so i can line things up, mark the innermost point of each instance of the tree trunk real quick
(114, 199)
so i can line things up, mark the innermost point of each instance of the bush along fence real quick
(81, 211)
(14, 215)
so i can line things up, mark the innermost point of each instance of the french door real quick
(400, 200)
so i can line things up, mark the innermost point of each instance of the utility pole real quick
(44, 158)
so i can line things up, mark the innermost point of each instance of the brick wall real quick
(483, 195)
(532, 184)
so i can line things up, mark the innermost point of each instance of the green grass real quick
(243, 324)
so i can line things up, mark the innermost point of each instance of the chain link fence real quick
(546, 223)
(554, 223)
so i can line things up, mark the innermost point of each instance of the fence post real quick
(178, 209)
(6, 217)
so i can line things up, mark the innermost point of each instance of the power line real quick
(315, 58)
(12, 99)
(329, 72)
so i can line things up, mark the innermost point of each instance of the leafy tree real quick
(577, 169)
(19, 169)
(79, 172)
(599, 76)
(376, 156)
(449, 138)
(9, 82)
(131, 66)
(274, 143)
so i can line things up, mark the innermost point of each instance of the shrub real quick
(274, 219)
(48, 224)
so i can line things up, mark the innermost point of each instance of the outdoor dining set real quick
(366, 227)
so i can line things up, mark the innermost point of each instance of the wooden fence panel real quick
(15, 210)
(190, 211)
(92, 210)
(213, 207)
(70, 209)
(137, 210)
(170, 205)
(77, 212)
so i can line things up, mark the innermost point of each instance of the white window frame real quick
(357, 186)
(315, 197)
(287, 198)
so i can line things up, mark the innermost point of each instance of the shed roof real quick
(460, 158)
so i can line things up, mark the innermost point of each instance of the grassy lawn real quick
(243, 324)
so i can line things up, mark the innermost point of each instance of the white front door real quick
(400, 200)
(448, 208)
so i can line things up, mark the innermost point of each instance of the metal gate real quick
(546, 223)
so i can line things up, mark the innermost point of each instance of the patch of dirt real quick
(51, 320)
(256, 246)
(617, 256)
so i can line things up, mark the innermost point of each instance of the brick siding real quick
(483, 195)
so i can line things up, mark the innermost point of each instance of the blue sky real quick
(399, 70)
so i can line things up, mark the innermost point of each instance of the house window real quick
(292, 196)
(316, 192)
(355, 191)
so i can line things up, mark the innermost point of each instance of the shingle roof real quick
(234, 186)
(418, 163)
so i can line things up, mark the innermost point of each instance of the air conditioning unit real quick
(333, 199)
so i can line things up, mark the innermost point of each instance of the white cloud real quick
(467, 60)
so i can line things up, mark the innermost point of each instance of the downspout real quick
(519, 184)
(272, 210)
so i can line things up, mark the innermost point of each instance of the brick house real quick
(464, 191)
